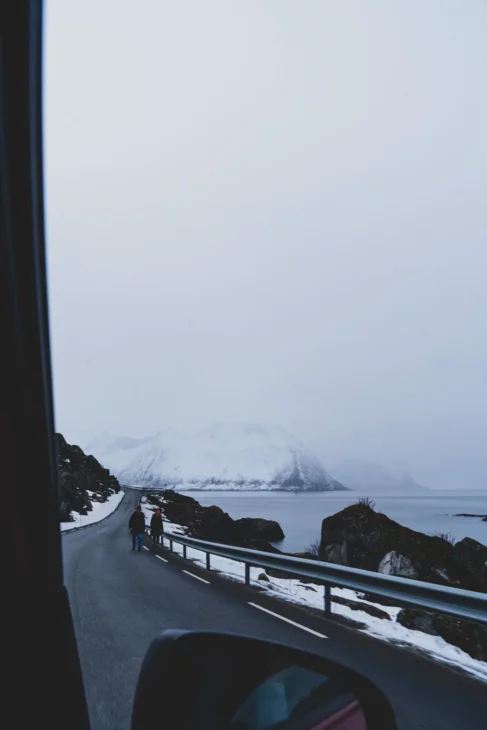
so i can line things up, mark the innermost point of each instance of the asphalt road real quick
(121, 599)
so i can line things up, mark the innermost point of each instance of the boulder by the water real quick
(336, 553)
(214, 525)
(256, 528)
(473, 555)
(82, 480)
(363, 538)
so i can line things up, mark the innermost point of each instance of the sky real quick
(272, 211)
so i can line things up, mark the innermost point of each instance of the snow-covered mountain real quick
(366, 475)
(223, 457)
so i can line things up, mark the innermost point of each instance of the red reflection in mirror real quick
(349, 718)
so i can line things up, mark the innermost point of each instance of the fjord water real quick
(300, 513)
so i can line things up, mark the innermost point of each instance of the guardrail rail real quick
(468, 605)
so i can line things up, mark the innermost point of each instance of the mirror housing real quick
(192, 680)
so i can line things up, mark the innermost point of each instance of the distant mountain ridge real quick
(226, 457)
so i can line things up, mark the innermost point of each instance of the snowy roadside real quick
(101, 510)
(312, 596)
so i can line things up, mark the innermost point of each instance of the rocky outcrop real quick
(177, 507)
(472, 555)
(82, 480)
(257, 528)
(470, 637)
(359, 606)
(215, 525)
(336, 553)
(362, 538)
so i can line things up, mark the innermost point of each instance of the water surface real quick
(300, 514)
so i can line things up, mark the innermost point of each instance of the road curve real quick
(121, 599)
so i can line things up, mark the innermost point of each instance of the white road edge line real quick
(196, 576)
(288, 620)
(164, 559)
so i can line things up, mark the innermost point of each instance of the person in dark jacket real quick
(137, 527)
(156, 527)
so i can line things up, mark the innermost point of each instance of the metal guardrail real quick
(456, 602)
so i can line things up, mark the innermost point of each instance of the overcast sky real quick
(273, 211)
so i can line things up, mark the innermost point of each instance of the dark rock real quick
(155, 499)
(177, 508)
(360, 537)
(470, 637)
(473, 555)
(215, 525)
(358, 606)
(180, 513)
(467, 514)
(419, 620)
(263, 576)
(255, 528)
(79, 474)
(336, 553)
(171, 496)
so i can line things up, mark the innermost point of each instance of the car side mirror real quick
(213, 681)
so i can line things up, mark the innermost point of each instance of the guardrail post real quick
(327, 599)
(170, 545)
(247, 574)
(184, 552)
(208, 567)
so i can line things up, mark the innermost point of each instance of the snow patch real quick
(99, 512)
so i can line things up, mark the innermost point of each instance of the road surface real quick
(121, 599)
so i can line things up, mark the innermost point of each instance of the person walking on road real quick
(137, 527)
(156, 527)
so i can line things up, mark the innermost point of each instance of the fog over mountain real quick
(272, 212)
(246, 456)
(368, 476)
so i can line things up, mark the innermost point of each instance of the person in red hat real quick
(156, 527)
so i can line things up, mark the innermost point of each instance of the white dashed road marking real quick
(164, 559)
(288, 620)
(145, 548)
(196, 576)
